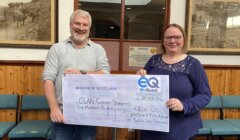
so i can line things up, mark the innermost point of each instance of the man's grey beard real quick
(77, 39)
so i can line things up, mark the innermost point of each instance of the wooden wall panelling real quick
(227, 78)
(34, 84)
(12, 79)
(210, 114)
(217, 81)
(36, 115)
(8, 115)
(233, 82)
(231, 113)
(21, 79)
(224, 81)
(122, 134)
(104, 133)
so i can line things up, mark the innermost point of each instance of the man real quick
(76, 55)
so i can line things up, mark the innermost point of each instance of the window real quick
(143, 19)
(106, 18)
(233, 22)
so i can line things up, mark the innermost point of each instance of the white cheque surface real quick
(123, 101)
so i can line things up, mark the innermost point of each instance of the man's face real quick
(80, 29)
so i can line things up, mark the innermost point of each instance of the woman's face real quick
(173, 40)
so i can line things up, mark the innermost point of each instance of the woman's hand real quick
(175, 104)
(142, 72)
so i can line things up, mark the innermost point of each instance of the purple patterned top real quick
(188, 82)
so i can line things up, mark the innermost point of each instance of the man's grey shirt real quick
(63, 55)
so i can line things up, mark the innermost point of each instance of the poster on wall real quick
(138, 56)
(214, 26)
(27, 23)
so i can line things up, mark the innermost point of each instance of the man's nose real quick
(81, 26)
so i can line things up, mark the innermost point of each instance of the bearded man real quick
(75, 55)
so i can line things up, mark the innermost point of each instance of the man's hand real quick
(71, 71)
(56, 115)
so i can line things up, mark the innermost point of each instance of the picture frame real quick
(28, 23)
(213, 26)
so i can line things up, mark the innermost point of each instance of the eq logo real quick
(150, 84)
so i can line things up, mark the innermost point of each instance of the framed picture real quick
(213, 26)
(27, 23)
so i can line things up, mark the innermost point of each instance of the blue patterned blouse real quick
(188, 82)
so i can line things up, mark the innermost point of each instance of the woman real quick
(189, 88)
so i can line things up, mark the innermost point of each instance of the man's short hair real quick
(81, 13)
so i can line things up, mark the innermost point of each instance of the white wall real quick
(178, 8)
(64, 12)
(177, 14)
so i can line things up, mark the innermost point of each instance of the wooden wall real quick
(19, 77)
(224, 80)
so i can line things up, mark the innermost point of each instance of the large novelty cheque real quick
(123, 101)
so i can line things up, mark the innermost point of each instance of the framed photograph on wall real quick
(27, 23)
(213, 26)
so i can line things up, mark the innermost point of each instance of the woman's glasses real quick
(175, 37)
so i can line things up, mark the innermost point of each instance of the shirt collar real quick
(90, 42)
